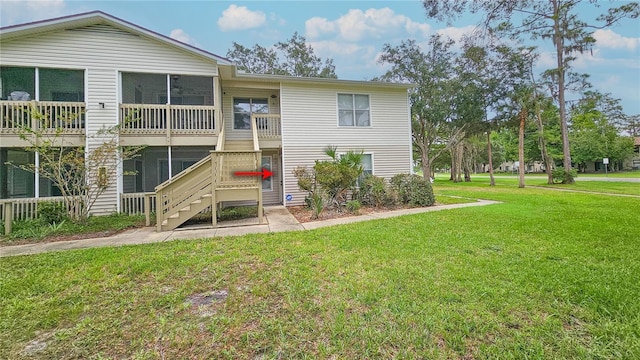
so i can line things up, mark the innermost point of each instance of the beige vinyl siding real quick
(97, 47)
(227, 108)
(103, 52)
(310, 123)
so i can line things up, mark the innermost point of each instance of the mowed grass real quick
(543, 275)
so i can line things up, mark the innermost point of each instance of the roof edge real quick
(318, 80)
(100, 15)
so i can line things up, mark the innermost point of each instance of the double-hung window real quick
(244, 107)
(353, 110)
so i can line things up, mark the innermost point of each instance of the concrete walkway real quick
(278, 219)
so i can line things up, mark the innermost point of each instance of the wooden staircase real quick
(210, 181)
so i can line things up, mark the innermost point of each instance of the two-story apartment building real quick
(188, 107)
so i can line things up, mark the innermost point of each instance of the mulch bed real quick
(304, 214)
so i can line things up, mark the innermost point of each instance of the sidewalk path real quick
(278, 219)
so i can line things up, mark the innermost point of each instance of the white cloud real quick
(317, 26)
(182, 36)
(240, 18)
(359, 25)
(21, 11)
(456, 33)
(609, 39)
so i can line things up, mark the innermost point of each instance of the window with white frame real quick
(244, 107)
(367, 163)
(353, 110)
(367, 166)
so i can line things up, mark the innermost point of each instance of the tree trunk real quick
(492, 181)
(454, 163)
(426, 165)
(546, 158)
(523, 118)
(559, 44)
(460, 150)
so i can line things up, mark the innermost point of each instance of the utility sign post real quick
(605, 161)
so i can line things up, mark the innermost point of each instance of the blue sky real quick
(350, 32)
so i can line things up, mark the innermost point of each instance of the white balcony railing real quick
(268, 126)
(48, 116)
(161, 119)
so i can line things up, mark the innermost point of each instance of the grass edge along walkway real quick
(275, 223)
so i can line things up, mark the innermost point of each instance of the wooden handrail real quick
(183, 173)
(254, 133)
(221, 137)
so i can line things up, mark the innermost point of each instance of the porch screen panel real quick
(191, 90)
(15, 182)
(17, 83)
(61, 85)
(139, 88)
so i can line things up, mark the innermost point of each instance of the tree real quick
(292, 57)
(432, 100)
(593, 132)
(555, 20)
(81, 176)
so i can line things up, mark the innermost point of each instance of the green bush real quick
(329, 182)
(317, 204)
(413, 190)
(562, 176)
(375, 191)
(51, 212)
(353, 206)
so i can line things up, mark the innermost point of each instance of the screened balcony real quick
(167, 105)
(47, 100)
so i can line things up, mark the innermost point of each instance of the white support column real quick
(168, 88)
(37, 176)
(37, 94)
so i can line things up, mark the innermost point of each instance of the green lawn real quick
(629, 188)
(633, 174)
(544, 275)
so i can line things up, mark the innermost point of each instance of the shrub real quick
(376, 192)
(413, 190)
(317, 204)
(353, 206)
(51, 212)
(330, 181)
(562, 176)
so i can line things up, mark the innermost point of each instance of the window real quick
(367, 163)
(367, 166)
(266, 164)
(353, 110)
(244, 107)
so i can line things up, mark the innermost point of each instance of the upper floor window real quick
(19, 84)
(244, 107)
(353, 110)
